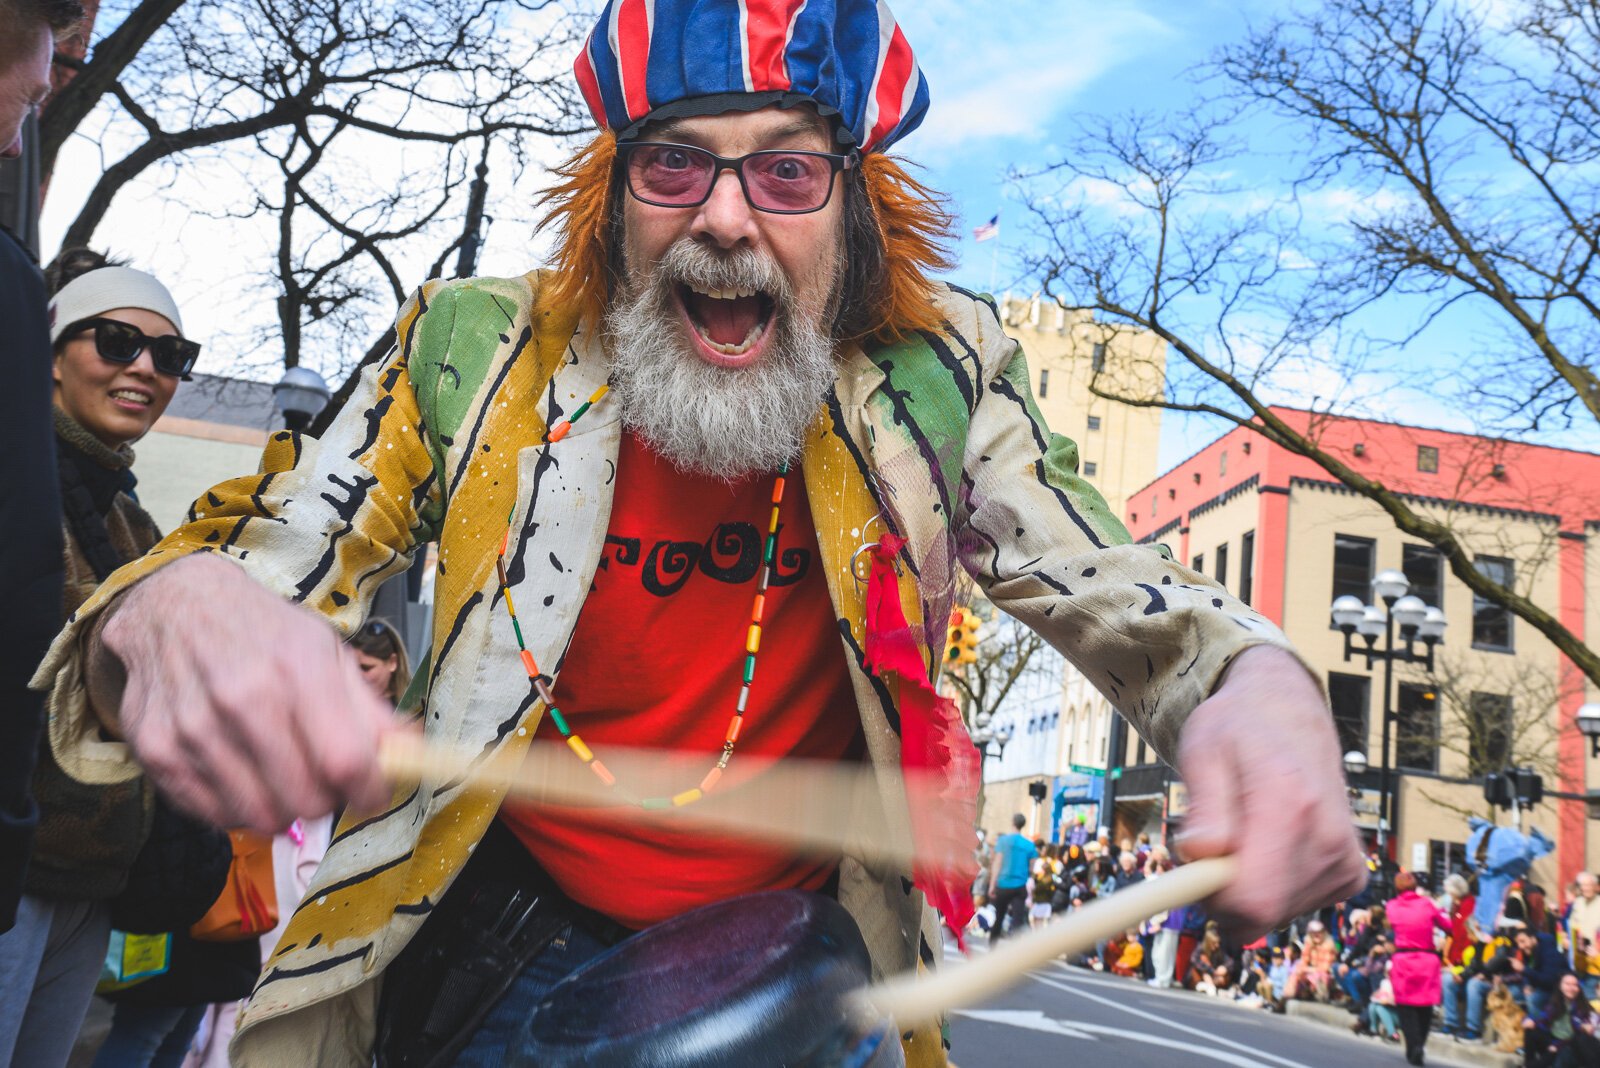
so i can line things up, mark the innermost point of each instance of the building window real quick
(1424, 569)
(1097, 359)
(1491, 623)
(1143, 754)
(1221, 572)
(1349, 696)
(1153, 499)
(1428, 459)
(1044, 381)
(1352, 567)
(1247, 567)
(1094, 422)
(1222, 463)
(1416, 740)
(1445, 858)
(1489, 733)
(1090, 468)
(1199, 563)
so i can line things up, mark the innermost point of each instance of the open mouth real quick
(729, 322)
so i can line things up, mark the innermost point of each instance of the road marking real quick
(1029, 1019)
(1033, 1020)
(1076, 990)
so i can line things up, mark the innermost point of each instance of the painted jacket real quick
(445, 439)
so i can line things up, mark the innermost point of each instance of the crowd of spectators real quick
(1403, 960)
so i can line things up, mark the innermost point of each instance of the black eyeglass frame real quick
(166, 351)
(837, 163)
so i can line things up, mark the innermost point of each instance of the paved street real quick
(1067, 1015)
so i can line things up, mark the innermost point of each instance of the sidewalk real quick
(1440, 1049)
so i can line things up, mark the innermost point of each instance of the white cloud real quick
(1008, 76)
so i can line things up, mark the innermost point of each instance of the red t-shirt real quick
(656, 662)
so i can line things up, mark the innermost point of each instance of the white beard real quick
(723, 422)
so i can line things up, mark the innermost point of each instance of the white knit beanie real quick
(107, 289)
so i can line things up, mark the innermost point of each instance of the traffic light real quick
(1497, 790)
(1524, 785)
(962, 646)
(1528, 785)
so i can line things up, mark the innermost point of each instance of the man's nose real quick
(726, 219)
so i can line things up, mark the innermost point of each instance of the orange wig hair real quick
(896, 232)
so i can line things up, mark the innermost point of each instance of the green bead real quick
(656, 802)
(749, 669)
(561, 721)
(518, 628)
(579, 413)
(772, 544)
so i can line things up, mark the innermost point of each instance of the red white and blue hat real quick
(662, 59)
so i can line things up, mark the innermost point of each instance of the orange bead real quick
(735, 725)
(710, 780)
(604, 773)
(529, 665)
(559, 431)
(777, 489)
(759, 608)
(505, 540)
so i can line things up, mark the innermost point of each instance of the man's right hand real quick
(245, 709)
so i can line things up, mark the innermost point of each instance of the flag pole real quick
(994, 261)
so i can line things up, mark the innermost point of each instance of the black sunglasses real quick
(121, 342)
(780, 181)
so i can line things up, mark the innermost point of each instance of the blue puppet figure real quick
(1501, 856)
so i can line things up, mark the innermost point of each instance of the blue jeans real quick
(567, 952)
(149, 1036)
(1355, 983)
(1477, 988)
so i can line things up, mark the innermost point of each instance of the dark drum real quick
(762, 979)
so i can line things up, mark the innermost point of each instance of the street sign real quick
(1082, 769)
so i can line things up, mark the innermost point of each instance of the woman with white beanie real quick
(119, 354)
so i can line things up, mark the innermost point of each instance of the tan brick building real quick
(1057, 718)
(1282, 535)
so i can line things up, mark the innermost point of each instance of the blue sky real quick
(1006, 93)
(1007, 84)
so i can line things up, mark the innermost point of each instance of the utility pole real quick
(1116, 746)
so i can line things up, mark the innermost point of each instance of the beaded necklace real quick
(752, 646)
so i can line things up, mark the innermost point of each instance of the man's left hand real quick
(1266, 786)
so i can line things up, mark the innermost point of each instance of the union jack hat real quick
(660, 59)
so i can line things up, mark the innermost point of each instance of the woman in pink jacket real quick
(1414, 971)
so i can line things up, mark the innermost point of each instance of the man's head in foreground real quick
(736, 219)
(26, 48)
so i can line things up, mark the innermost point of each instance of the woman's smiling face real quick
(116, 402)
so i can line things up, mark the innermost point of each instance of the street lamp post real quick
(1416, 620)
(1589, 726)
(300, 395)
(982, 736)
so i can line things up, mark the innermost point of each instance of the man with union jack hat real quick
(705, 486)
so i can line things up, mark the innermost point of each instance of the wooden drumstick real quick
(911, 1000)
(816, 807)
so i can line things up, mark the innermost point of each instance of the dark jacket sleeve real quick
(1545, 964)
(30, 553)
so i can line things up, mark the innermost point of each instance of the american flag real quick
(987, 230)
